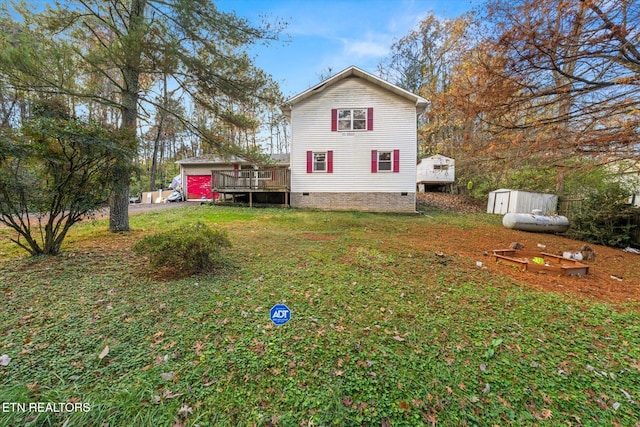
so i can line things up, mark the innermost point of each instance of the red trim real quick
(329, 161)
(369, 118)
(334, 120)
(374, 161)
(235, 170)
(396, 161)
(309, 161)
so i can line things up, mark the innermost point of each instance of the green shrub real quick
(604, 216)
(188, 249)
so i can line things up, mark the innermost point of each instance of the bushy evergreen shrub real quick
(604, 216)
(188, 249)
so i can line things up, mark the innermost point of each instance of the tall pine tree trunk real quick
(132, 44)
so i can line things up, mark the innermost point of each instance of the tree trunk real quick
(119, 202)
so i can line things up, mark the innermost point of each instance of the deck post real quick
(250, 199)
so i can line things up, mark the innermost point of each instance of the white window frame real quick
(314, 162)
(390, 161)
(350, 120)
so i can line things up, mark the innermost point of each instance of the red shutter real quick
(329, 161)
(396, 161)
(235, 171)
(309, 161)
(369, 118)
(334, 120)
(374, 161)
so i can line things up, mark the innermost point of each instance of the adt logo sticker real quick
(280, 314)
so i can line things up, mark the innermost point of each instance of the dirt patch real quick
(613, 277)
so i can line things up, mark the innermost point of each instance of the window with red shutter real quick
(319, 161)
(351, 119)
(385, 161)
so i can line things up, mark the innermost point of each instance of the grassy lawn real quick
(381, 334)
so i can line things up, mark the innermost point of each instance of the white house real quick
(437, 170)
(353, 144)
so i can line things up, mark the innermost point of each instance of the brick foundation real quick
(373, 202)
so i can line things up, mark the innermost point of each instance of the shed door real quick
(501, 202)
(198, 186)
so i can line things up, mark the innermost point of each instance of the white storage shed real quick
(505, 201)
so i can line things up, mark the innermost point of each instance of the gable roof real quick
(354, 71)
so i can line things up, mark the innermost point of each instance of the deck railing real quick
(266, 179)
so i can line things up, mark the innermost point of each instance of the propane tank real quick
(536, 222)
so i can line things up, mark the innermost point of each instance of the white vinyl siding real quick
(394, 129)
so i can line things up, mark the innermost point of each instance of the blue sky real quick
(334, 33)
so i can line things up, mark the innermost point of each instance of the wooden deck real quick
(228, 181)
(239, 182)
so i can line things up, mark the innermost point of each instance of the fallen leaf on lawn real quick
(546, 414)
(4, 360)
(483, 367)
(167, 376)
(347, 402)
(168, 394)
(104, 352)
(185, 410)
(198, 346)
(399, 338)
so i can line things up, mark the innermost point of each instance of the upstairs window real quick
(355, 119)
(351, 119)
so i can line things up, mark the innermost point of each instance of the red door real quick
(198, 186)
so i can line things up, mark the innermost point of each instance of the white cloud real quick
(365, 48)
